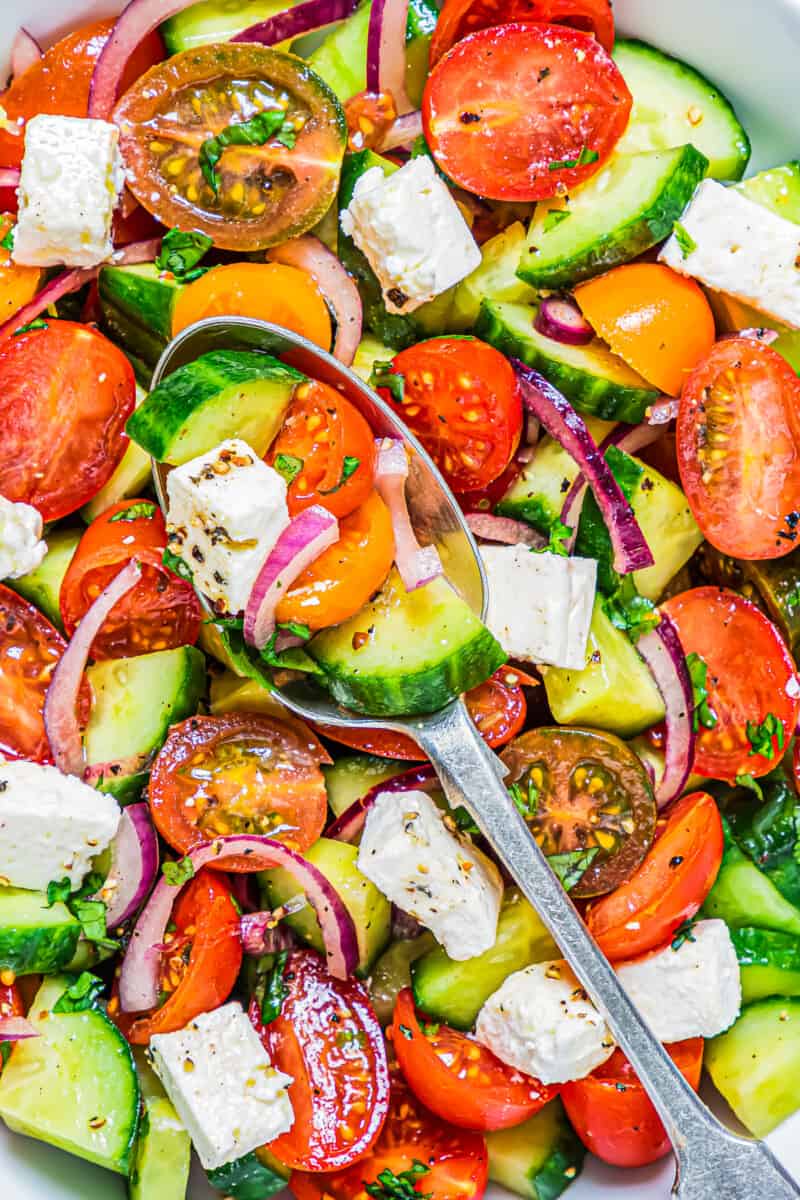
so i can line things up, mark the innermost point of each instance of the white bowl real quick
(751, 49)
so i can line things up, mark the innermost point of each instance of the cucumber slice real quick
(595, 381)
(75, 1086)
(423, 649)
(162, 1157)
(223, 394)
(370, 910)
(674, 104)
(769, 963)
(495, 279)
(351, 777)
(755, 1064)
(135, 700)
(631, 205)
(215, 21)
(538, 1159)
(43, 585)
(454, 992)
(777, 189)
(255, 1176)
(231, 693)
(614, 691)
(35, 939)
(370, 351)
(136, 305)
(130, 478)
(392, 973)
(743, 896)
(768, 832)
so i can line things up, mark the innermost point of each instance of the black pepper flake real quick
(676, 861)
(565, 486)
(197, 554)
(647, 485)
(543, 73)
(399, 299)
(469, 118)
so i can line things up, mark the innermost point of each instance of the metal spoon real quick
(712, 1162)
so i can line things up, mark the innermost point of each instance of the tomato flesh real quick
(461, 17)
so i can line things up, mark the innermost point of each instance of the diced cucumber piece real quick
(743, 896)
(538, 1159)
(35, 939)
(351, 777)
(370, 351)
(755, 1064)
(163, 1151)
(42, 586)
(421, 650)
(454, 992)
(129, 479)
(595, 381)
(75, 1085)
(255, 1176)
(495, 279)
(768, 831)
(769, 963)
(231, 693)
(614, 691)
(674, 104)
(777, 189)
(216, 21)
(370, 910)
(136, 306)
(392, 973)
(223, 394)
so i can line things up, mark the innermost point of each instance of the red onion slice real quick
(505, 530)
(301, 543)
(25, 51)
(292, 22)
(402, 132)
(386, 51)
(348, 826)
(262, 934)
(136, 252)
(563, 321)
(16, 1029)
(661, 649)
(138, 981)
(134, 865)
(9, 177)
(61, 285)
(416, 564)
(663, 411)
(631, 551)
(759, 333)
(311, 255)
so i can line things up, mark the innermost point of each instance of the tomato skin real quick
(668, 888)
(749, 672)
(612, 1114)
(18, 284)
(461, 17)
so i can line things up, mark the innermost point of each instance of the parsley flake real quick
(383, 375)
(288, 466)
(629, 611)
(684, 933)
(8, 241)
(178, 567)
(350, 465)
(276, 990)
(178, 873)
(763, 736)
(698, 674)
(401, 1186)
(571, 866)
(749, 781)
(526, 804)
(39, 323)
(143, 508)
(585, 157)
(686, 243)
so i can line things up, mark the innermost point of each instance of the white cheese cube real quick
(740, 248)
(224, 1088)
(72, 175)
(541, 1021)
(227, 509)
(425, 867)
(51, 825)
(540, 605)
(21, 545)
(412, 232)
(693, 991)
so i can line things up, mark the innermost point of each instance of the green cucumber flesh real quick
(392, 972)
(768, 831)
(777, 189)
(162, 1157)
(143, 347)
(75, 1085)
(43, 585)
(215, 21)
(351, 777)
(769, 962)
(131, 477)
(756, 1063)
(255, 1176)
(35, 939)
(744, 896)
(674, 104)
(368, 352)
(495, 279)
(136, 306)
(538, 1159)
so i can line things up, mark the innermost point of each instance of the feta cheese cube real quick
(226, 511)
(693, 991)
(431, 872)
(541, 1021)
(740, 248)
(540, 605)
(51, 825)
(21, 545)
(412, 232)
(72, 175)
(220, 1079)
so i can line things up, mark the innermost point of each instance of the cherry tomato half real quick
(160, 613)
(522, 112)
(750, 678)
(461, 17)
(18, 284)
(738, 439)
(677, 874)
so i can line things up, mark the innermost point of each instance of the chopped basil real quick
(276, 990)
(554, 218)
(143, 508)
(684, 933)
(39, 323)
(288, 466)
(225, 622)
(383, 376)
(181, 251)
(585, 157)
(58, 891)
(259, 130)
(175, 564)
(178, 873)
(82, 994)
(296, 629)
(350, 465)
(629, 611)
(463, 821)
(401, 1186)
(686, 243)
(749, 781)
(407, 1033)
(559, 534)
(761, 737)
(571, 866)
(84, 905)
(8, 241)
(698, 672)
(526, 804)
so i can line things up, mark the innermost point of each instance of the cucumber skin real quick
(769, 963)
(246, 1178)
(43, 951)
(740, 887)
(538, 1159)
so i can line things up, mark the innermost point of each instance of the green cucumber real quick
(255, 1176)
(744, 896)
(75, 1085)
(215, 21)
(162, 1158)
(454, 992)
(43, 585)
(538, 1159)
(755, 1064)
(370, 351)
(595, 381)
(495, 279)
(136, 306)
(130, 478)
(222, 394)
(674, 104)
(629, 206)
(35, 939)
(777, 189)
(351, 777)
(769, 962)
(768, 831)
(422, 649)
(392, 972)
(370, 910)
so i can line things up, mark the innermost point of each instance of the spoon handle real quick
(468, 772)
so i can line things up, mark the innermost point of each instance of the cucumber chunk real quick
(538, 1159)
(215, 21)
(370, 351)
(423, 649)
(495, 279)
(769, 831)
(223, 394)
(454, 992)
(162, 1157)
(351, 777)
(595, 381)
(674, 104)
(769, 963)
(254, 1176)
(755, 1064)
(35, 939)
(743, 896)
(392, 973)
(136, 305)
(130, 478)
(777, 189)
(43, 585)
(75, 1086)
(629, 206)
(231, 693)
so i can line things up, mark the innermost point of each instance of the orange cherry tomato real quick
(461, 17)
(267, 291)
(369, 116)
(342, 579)
(668, 888)
(18, 284)
(657, 320)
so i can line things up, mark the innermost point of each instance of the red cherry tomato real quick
(461, 17)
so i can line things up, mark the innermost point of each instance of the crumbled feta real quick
(693, 991)
(51, 825)
(540, 605)
(21, 545)
(432, 872)
(740, 248)
(225, 1090)
(227, 509)
(412, 231)
(541, 1021)
(71, 177)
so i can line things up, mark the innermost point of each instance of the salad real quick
(225, 930)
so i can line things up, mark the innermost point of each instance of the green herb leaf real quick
(749, 781)
(686, 243)
(383, 376)
(463, 821)
(526, 802)
(288, 466)
(178, 873)
(8, 241)
(144, 508)
(629, 611)
(92, 916)
(296, 629)
(276, 990)
(684, 933)
(554, 218)
(58, 890)
(401, 1186)
(178, 567)
(558, 535)
(350, 465)
(570, 866)
(762, 737)
(181, 251)
(82, 994)
(225, 622)
(259, 130)
(585, 157)
(698, 674)
(39, 323)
